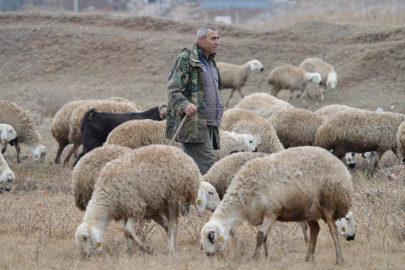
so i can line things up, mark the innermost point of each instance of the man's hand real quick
(190, 109)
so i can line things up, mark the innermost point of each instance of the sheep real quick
(7, 177)
(326, 71)
(350, 160)
(297, 184)
(244, 121)
(331, 110)
(138, 133)
(8, 134)
(23, 123)
(401, 140)
(262, 104)
(86, 172)
(296, 127)
(141, 183)
(292, 78)
(97, 125)
(235, 76)
(102, 105)
(360, 131)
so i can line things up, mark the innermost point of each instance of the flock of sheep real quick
(276, 163)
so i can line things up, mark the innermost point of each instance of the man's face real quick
(210, 43)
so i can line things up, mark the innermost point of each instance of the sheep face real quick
(249, 143)
(7, 179)
(255, 65)
(347, 227)
(207, 197)
(40, 153)
(213, 238)
(8, 134)
(85, 232)
(332, 81)
(351, 160)
(315, 77)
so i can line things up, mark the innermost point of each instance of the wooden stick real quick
(178, 130)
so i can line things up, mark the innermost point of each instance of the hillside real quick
(99, 56)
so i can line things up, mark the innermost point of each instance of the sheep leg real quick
(60, 150)
(240, 92)
(71, 151)
(314, 230)
(129, 233)
(261, 235)
(17, 148)
(3, 148)
(374, 166)
(291, 94)
(335, 235)
(160, 219)
(232, 90)
(171, 215)
(266, 245)
(304, 229)
(397, 154)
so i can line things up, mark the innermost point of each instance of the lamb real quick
(101, 105)
(141, 183)
(401, 140)
(86, 172)
(138, 133)
(23, 123)
(292, 78)
(360, 131)
(244, 121)
(327, 72)
(6, 175)
(8, 134)
(235, 76)
(262, 104)
(296, 127)
(97, 125)
(283, 187)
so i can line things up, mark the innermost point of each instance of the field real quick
(50, 59)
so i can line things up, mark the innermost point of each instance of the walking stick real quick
(178, 130)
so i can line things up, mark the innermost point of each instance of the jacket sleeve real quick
(177, 83)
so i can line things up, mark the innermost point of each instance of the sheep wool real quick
(245, 122)
(331, 110)
(262, 104)
(27, 132)
(401, 140)
(296, 127)
(222, 172)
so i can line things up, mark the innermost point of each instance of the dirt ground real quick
(49, 59)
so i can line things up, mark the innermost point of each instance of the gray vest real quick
(213, 101)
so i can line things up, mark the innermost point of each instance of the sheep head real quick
(350, 160)
(255, 65)
(8, 134)
(40, 153)
(314, 77)
(347, 227)
(7, 179)
(84, 232)
(207, 197)
(213, 238)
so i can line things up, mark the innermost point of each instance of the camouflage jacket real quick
(185, 86)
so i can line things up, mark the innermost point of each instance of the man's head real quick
(207, 39)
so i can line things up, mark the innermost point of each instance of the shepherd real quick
(193, 87)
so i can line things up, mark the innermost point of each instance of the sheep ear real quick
(4, 136)
(201, 201)
(246, 146)
(96, 239)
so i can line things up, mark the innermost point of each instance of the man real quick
(193, 86)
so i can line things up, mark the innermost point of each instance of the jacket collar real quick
(194, 55)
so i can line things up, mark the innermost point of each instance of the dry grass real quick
(38, 220)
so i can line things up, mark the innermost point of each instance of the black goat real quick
(97, 125)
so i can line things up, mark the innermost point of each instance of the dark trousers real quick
(202, 153)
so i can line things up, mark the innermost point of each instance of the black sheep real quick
(97, 125)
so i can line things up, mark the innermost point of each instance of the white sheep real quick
(6, 175)
(235, 76)
(401, 140)
(23, 123)
(141, 183)
(8, 133)
(331, 110)
(107, 106)
(244, 121)
(360, 131)
(297, 184)
(262, 104)
(326, 71)
(292, 78)
(296, 127)
(138, 133)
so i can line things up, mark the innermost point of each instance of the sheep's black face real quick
(352, 165)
